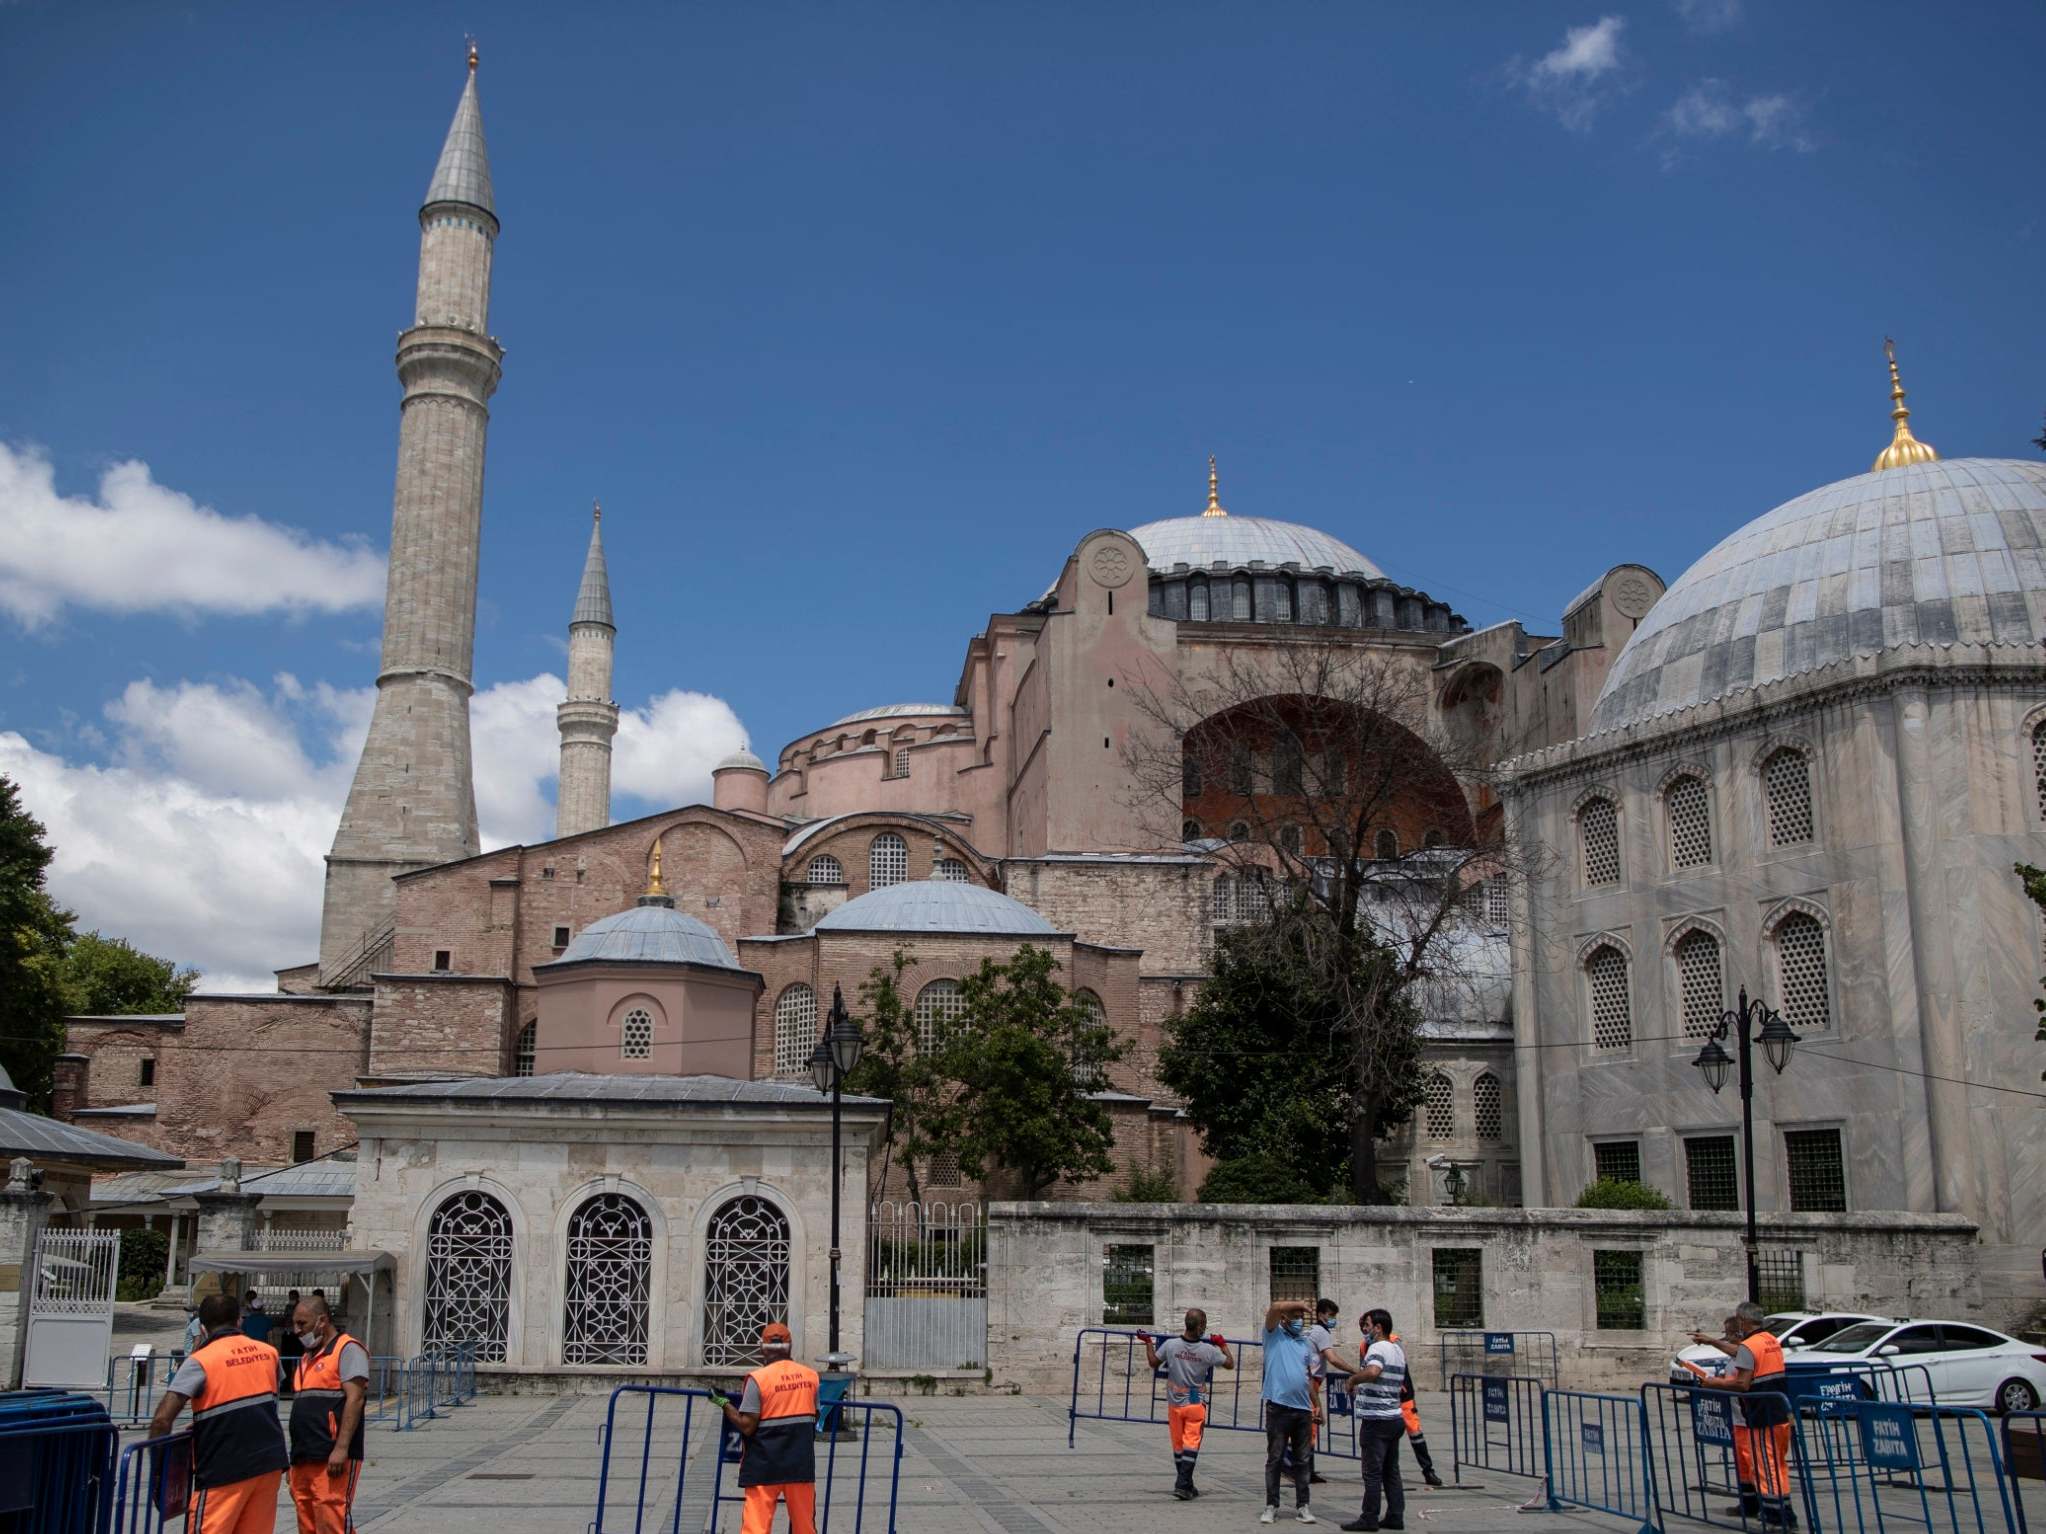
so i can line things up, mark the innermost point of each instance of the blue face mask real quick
(1292, 1328)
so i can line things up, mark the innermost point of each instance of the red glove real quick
(1219, 1340)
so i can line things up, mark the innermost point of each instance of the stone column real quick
(170, 1260)
(227, 1223)
(24, 1212)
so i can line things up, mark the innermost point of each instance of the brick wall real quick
(444, 1024)
(1159, 907)
(116, 1049)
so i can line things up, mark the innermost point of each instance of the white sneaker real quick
(1307, 1516)
(1269, 1515)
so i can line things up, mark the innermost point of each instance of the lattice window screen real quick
(636, 1040)
(826, 869)
(1498, 902)
(1440, 1107)
(1801, 970)
(1690, 823)
(1488, 1107)
(887, 860)
(2039, 765)
(937, 1006)
(1787, 783)
(1598, 829)
(901, 762)
(1612, 1013)
(526, 1050)
(951, 870)
(1699, 984)
(795, 1031)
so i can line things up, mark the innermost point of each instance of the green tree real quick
(1020, 1063)
(106, 976)
(1262, 1178)
(34, 932)
(892, 1066)
(1621, 1193)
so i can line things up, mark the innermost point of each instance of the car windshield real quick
(1854, 1339)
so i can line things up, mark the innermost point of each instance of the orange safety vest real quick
(235, 1433)
(783, 1449)
(1768, 1379)
(317, 1401)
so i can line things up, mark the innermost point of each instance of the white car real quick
(1792, 1328)
(1968, 1365)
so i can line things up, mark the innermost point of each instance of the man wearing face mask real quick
(1289, 1405)
(326, 1420)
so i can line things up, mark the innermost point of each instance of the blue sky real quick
(857, 317)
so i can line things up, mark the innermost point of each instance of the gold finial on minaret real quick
(1904, 449)
(596, 511)
(472, 55)
(1214, 491)
(653, 883)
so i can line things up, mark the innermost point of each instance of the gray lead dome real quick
(937, 905)
(647, 934)
(1934, 554)
(1237, 542)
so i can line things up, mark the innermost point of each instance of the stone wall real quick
(446, 1025)
(1046, 1263)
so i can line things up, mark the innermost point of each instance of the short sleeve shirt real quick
(1189, 1366)
(1286, 1362)
(1380, 1398)
(353, 1362)
(190, 1378)
(1319, 1337)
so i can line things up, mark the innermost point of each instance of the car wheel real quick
(2016, 1395)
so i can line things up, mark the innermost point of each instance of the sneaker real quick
(1269, 1515)
(1182, 1494)
(1306, 1515)
(1358, 1526)
(1431, 1478)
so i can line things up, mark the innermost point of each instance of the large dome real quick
(1234, 542)
(1937, 553)
(647, 934)
(937, 905)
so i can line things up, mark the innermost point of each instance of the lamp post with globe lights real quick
(1749, 1022)
(837, 1052)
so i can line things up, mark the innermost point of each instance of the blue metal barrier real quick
(1495, 1424)
(56, 1462)
(386, 1390)
(155, 1485)
(1595, 1456)
(1528, 1355)
(135, 1385)
(1934, 1468)
(641, 1489)
(1125, 1388)
(1689, 1440)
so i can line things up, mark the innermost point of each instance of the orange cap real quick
(774, 1332)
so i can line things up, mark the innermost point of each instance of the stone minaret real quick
(413, 802)
(589, 718)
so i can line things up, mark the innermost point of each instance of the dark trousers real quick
(1378, 1440)
(1287, 1428)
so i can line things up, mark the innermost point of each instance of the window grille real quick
(944, 1170)
(1690, 823)
(826, 869)
(1439, 1107)
(887, 860)
(1698, 983)
(1240, 608)
(1616, 1160)
(951, 870)
(1787, 785)
(636, 1040)
(1242, 777)
(1598, 830)
(468, 1277)
(1818, 1177)
(1189, 830)
(1488, 1107)
(901, 767)
(1498, 902)
(1801, 971)
(1287, 762)
(1779, 1279)
(1197, 601)
(938, 1007)
(1295, 1273)
(1612, 1013)
(745, 1281)
(1711, 1173)
(1616, 1285)
(795, 1032)
(1386, 846)
(1126, 1285)
(1459, 1273)
(2039, 765)
(1090, 1076)
(526, 1049)
(609, 1282)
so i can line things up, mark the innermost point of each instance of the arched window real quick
(826, 869)
(1488, 1107)
(1239, 830)
(1089, 1077)
(1289, 840)
(468, 1277)
(938, 1006)
(1801, 971)
(901, 768)
(795, 1031)
(636, 1035)
(1197, 601)
(1189, 830)
(1288, 763)
(526, 1050)
(2039, 765)
(1612, 1008)
(1787, 785)
(1433, 837)
(1690, 822)
(1439, 1107)
(1386, 845)
(610, 1277)
(1598, 835)
(951, 870)
(1189, 774)
(887, 860)
(745, 1279)
(1699, 985)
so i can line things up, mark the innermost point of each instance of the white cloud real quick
(1575, 79)
(1712, 109)
(141, 547)
(201, 835)
(1706, 16)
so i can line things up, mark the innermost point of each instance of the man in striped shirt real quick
(1376, 1388)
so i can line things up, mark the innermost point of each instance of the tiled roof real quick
(42, 1139)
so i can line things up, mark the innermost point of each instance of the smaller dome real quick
(741, 760)
(937, 905)
(647, 934)
(899, 711)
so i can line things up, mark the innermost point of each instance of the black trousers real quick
(1288, 1427)
(1378, 1439)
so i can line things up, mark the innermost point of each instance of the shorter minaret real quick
(588, 718)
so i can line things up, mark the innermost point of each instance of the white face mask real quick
(310, 1338)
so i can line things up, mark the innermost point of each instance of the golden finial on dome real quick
(1904, 449)
(1214, 492)
(653, 883)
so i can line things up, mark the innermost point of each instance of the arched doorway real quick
(745, 1280)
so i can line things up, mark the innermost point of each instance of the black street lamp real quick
(837, 1052)
(1776, 1039)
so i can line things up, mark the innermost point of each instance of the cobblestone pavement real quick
(523, 1465)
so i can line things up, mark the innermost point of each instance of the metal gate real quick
(926, 1300)
(71, 1308)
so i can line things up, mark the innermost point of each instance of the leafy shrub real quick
(1148, 1185)
(1258, 1178)
(1622, 1193)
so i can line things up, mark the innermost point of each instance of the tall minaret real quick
(589, 717)
(413, 802)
